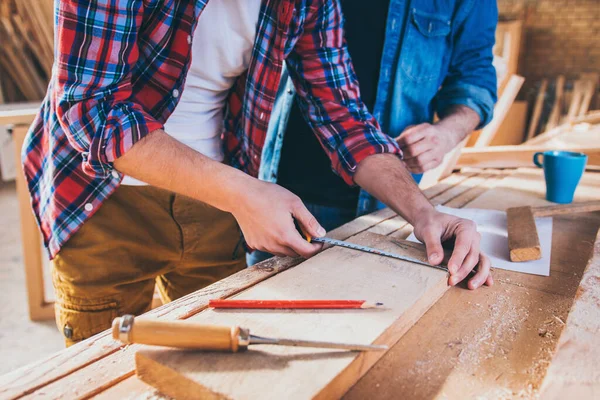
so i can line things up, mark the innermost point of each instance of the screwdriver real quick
(194, 336)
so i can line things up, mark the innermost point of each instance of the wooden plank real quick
(588, 93)
(457, 196)
(500, 111)
(508, 46)
(495, 342)
(537, 110)
(576, 99)
(512, 130)
(523, 240)
(39, 309)
(18, 113)
(406, 290)
(518, 156)
(574, 369)
(555, 114)
(67, 370)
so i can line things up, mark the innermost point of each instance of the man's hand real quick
(425, 146)
(264, 211)
(385, 177)
(266, 214)
(436, 228)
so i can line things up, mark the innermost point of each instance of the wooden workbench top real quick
(493, 342)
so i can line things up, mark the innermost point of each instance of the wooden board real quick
(537, 110)
(519, 156)
(406, 289)
(496, 342)
(556, 111)
(40, 308)
(523, 240)
(500, 111)
(508, 45)
(576, 99)
(574, 370)
(512, 130)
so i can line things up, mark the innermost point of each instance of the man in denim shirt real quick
(413, 58)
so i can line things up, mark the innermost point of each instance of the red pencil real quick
(303, 304)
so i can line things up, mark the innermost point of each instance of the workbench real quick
(525, 336)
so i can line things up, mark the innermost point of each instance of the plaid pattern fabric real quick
(120, 69)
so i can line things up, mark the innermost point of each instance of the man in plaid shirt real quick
(134, 181)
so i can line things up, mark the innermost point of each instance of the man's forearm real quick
(459, 121)
(265, 212)
(385, 177)
(164, 162)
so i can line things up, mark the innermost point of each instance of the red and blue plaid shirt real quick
(119, 71)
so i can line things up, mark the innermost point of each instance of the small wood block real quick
(523, 240)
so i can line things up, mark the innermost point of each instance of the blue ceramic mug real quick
(563, 171)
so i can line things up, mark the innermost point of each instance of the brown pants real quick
(141, 236)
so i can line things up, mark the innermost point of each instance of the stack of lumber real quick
(26, 53)
(550, 107)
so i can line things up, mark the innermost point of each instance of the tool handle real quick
(549, 211)
(179, 334)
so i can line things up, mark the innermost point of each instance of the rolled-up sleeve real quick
(328, 92)
(96, 48)
(471, 79)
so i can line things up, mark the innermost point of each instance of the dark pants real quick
(329, 218)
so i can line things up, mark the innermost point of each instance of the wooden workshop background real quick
(547, 55)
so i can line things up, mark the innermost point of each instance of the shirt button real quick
(262, 115)
(175, 93)
(255, 156)
(88, 207)
(189, 39)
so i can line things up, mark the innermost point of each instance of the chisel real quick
(194, 336)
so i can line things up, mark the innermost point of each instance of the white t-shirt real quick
(221, 51)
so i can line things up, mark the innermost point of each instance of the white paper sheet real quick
(494, 239)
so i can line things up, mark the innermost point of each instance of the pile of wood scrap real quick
(581, 134)
(554, 106)
(26, 53)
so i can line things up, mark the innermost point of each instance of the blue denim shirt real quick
(436, 54)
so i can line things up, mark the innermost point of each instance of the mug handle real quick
(536, 160)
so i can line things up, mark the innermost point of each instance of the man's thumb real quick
(308, 222)
(435, 251)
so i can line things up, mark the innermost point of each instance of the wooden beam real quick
(576, 99)
(407, 291)
(554, 117)
(537, 110)
(19, 113)
(39, 308)
(573, 372)
(588, 93)
(500, 110)
(517, 156)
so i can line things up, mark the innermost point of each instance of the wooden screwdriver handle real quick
(549, 211)
(178, 334)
